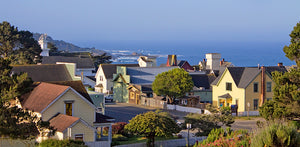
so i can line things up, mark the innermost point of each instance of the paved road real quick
(123, 112)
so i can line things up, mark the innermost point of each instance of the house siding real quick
(80, 108)
(119, 87)
(236, 93)
(251, 95)
(80, 128)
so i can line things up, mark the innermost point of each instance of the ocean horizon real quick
(239, 53)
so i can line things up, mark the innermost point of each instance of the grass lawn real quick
(140, 139)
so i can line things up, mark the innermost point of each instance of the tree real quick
(204, 123)
(287, 85)
(173, 83)
(52, 47)
(100, 59)
(20, 46)
(152, 124)
(14, 121)
(293, 50)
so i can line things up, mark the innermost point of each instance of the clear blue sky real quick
(197, 20)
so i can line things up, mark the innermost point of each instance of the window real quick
(229, 86)
(131, 95)
(255, 104)
(255, 87)
(79, 137)
(101, 78)
(269, 86)
(68, 109)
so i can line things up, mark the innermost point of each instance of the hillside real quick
(68, 47)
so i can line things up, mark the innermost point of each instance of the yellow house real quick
(246, 87)
(70, 111)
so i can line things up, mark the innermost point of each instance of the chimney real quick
(280, 64)
(263, 86)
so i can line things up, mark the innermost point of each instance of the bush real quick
(226, 138)
(62, 143)
(117, 128)
(119, 137)
(277, 134)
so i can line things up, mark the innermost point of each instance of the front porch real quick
(225, 100)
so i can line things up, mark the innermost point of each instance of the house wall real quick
(236, 93)
(269, 94)
(86, 71)
(80, 108)
(103, 82)
(251, 95)
(80, 128)
(205, 96)
(119, 87)
(120, 92)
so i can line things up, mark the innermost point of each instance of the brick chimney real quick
(280, 64)
(263, 86)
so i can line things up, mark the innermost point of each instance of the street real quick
(123, 112)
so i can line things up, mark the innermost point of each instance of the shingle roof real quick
(242, 76)
(42, 96)
(181, 62)
(100, 118)
(61, 122)
(76, 85)
(44, 73)
(203, 80)
(270, 69)
(110, 69)
(81, 62)
(145, 75)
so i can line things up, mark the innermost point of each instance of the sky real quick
(158, 20)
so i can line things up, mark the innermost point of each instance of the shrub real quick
(117, 128)
(119, 137)
(62, 143)
(228, 138)
(277, 134)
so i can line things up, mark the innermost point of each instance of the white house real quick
(104, 76)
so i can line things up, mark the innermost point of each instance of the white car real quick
(109, 97)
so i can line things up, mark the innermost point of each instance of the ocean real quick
(239, 53)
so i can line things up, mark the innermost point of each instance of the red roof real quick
(42, 96)
(61, 122)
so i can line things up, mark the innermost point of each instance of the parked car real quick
(109, 97)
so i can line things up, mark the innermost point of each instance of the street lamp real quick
(188, 126)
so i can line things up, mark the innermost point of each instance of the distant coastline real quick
(240, 54)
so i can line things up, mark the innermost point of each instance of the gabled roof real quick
(203, 80)
(181, 62)
(41, 96)
(270, 69)
(100, 118)
(61, 122)
(110, 69)
(76, 85)
(242, 76)
(81, 62)
(44, 73)
(145, 75)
